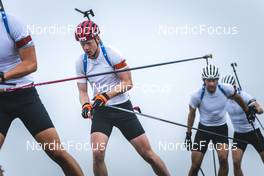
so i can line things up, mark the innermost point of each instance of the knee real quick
(98, 156)
(2, 138)
(262, 156)
(195, 166)
(223, 159)
(148, 155)
(236, 163)
(57, 155)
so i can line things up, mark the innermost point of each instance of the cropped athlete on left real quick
(17, 62)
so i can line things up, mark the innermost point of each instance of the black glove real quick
(251, 114)
(2, 77)
(100, 100)
(87, 110)
(137, 109)
(188, 141)
(252, 109)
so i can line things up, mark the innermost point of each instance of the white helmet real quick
(229, 79)
(210, 72)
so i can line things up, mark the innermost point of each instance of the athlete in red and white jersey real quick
(12, 44)
(110, 89)
(17, 61)
(107, 82)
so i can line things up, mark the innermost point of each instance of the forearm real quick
(20, 70)
(241, 103)
(28, 64)
(191, 118)
(84, 98)
(123, 87)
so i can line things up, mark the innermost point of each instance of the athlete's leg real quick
(5, 122)
(2, 139)
(69, 166)
(142, 146)
(133, 131)
(199, 149)
(238, 150)
(33, 114)
(237, 155)
(221, 146)
(258, 143)
(262, 156)
(99, 142)
(197, 158)
(222, 151)
(101, 130)
(1, 171)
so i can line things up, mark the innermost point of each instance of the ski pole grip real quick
(208, 56)
(234, 64)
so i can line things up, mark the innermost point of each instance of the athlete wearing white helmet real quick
(243, 126)
(211, 101)
(17, 62)
(110, 89)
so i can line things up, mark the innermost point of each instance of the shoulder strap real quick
(85, 60)
(4, 18)
(202, 94)
(222, 90)
(105, 54)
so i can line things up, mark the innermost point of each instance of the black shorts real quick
(251, 138)
(26, 105)
(105, 118)
(202, 139)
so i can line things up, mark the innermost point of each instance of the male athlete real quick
(17, 62)
(244, 127)
(110, 89)
(211, 102)
(1, 171)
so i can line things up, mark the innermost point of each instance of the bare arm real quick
(28, 64)
(83, 93)
(191, 118)
(258, 107)
(126, 84)
(240, 101)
